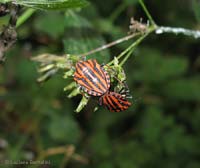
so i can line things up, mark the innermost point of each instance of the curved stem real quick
(146, 11)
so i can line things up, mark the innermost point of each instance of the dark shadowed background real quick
(160, 129)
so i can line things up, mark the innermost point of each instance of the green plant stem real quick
(147, 12)
(129, 50)
(126, 57)
(25, 16)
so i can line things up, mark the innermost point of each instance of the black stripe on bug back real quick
(86, 84)
(83, 82)
(125, 103)
(97, 74)
(87, 77)
(114, 102)
(92, 78)
(100, 72)
(109, 103)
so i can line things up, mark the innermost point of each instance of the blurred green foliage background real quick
(160, 129)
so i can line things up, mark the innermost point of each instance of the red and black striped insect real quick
(114, 102)
(95, 81)
(92, 78)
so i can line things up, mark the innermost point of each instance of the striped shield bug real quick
(91, 77)
(114, 102)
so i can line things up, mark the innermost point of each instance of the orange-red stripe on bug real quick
(114, 102)
(91, 77)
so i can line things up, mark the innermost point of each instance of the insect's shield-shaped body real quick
(95, 81)
(114, 102)
(91, 77)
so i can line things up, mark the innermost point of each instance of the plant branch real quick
(126, 38)
(129, 50)
(178, 30)
(9, 35)
(68, 151)
(127, 56)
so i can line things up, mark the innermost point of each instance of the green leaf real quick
(51, 24)
(81, 37)
(5, 1)
(52, 4)
(82, 104)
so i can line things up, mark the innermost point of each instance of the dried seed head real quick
(137, 26)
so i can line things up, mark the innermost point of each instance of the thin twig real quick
(138, 41)
(68, 150)
(178, 30)
(68, 155)
(126, 38)
(130, 48)
(127, 56)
